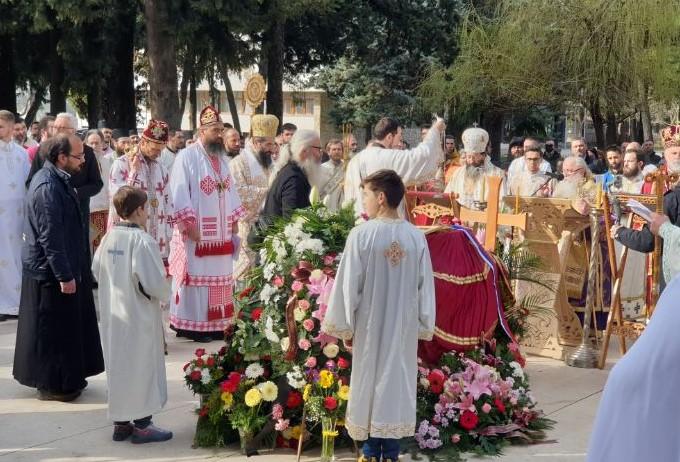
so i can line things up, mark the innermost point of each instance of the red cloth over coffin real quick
(468, 294)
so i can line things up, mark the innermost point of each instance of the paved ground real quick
(32, 430)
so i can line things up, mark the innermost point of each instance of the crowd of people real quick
(162, 220)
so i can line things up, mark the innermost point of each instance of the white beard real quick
(313, 172)
(566, 189)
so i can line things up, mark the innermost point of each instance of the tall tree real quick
(160, 41)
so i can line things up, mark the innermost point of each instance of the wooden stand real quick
(616, 324)
(553, 223)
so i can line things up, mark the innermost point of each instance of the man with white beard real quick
(296, 171)
(470, 182)
(578, 184)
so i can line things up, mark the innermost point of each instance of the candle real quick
(598, 200)
(517, 201)
(483, 198)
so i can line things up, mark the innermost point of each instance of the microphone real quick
(556, 176)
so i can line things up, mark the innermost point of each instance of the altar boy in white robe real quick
(132, 284)
(381, 304)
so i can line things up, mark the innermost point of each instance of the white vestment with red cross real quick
(154, 179)
(204, 197)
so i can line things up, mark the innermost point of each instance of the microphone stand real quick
(541, 187)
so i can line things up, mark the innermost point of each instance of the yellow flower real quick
(253, 397)
(295, 432)
(340, 423)
(343, 393)
(326, 379)
(269, 391)
(307, 391)
(227, 399)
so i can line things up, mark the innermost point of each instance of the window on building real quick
(299, 106)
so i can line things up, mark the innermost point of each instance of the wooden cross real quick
(491, 216)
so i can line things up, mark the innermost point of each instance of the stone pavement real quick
(32, 430)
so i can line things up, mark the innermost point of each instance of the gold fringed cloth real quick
(468, 297)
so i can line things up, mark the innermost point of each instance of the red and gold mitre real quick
(671, 136)
(209, 116)
(156, 132)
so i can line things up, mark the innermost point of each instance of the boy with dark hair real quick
(381, 304)
(132, 284)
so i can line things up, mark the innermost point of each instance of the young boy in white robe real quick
(132, 284)
(381, 304)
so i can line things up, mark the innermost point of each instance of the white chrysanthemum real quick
(313, 245)
(280, 248)
(205, 376)
(269, 391)
(331, 350)
(517, 370)
(254, 370)
(266, 293)
(263, 255)
(296, 378)
(285, 343)
(424, 383)
(269, 331)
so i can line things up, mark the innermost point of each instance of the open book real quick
(639, 209)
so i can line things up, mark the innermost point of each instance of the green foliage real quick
(542, 53)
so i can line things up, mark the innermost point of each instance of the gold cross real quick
(394, 253)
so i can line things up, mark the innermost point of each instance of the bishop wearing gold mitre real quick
(251, 171)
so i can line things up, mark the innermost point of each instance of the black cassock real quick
(58, 342)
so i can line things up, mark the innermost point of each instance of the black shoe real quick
(44, 395)
(4, 317)
(199, 338)
(122, 432)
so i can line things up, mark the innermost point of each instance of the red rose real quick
(468, 420)
(246, 292)
(499, 405)
(199, 362)
(200, 352)
(343, 363)
(294, 400)
(203, 412)
(195, 375)
(223, 351)
(210, 362)
(330, 403)
(256, 314)
(436, 379)
(344, 380)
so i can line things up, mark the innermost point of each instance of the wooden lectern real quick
(553, 224)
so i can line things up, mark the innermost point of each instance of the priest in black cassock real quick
(57, 345)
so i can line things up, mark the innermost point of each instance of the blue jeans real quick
(387, 448)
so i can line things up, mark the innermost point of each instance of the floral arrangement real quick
(475, 402)
(278, 370)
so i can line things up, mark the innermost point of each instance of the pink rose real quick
(308, 324)
(278, 281)
(311, 362)
(486, 408)
(304, 344)
(303, 304)
(455, 438)
(297, 286)
(329, 259)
